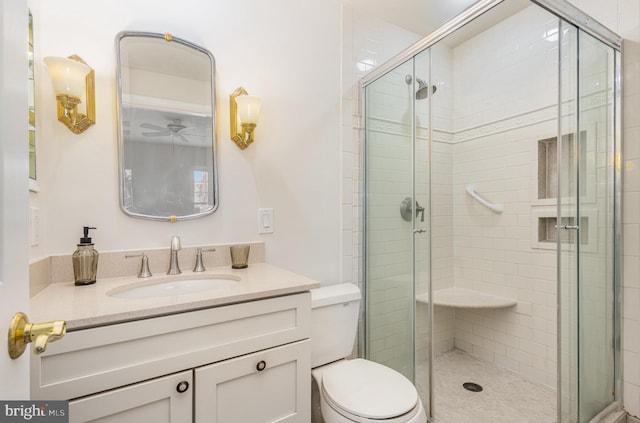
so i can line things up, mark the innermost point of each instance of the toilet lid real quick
(368, 389)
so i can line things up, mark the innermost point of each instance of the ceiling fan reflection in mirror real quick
(175, 129)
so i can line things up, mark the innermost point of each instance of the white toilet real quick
(354, 390)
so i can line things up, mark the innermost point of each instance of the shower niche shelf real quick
(466, 298)
(546, 183)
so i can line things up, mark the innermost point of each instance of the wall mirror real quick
(166, 123)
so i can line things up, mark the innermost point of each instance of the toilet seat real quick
(362, 390)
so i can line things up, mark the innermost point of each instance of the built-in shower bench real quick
(466, 298)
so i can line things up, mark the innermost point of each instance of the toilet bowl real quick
(356, 390)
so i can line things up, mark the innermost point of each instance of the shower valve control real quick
(407, 209)
(419, 231)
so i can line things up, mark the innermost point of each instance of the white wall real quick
(287, 52)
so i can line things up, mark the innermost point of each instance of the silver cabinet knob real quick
(182, 386)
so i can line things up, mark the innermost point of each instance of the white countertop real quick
(87, 306)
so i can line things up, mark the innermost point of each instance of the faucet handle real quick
(175, 243)
(144, 267)
(199, 266)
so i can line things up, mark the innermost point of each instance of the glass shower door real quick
(397, 218)
(586, 231)
(389, 260)
(424, 93)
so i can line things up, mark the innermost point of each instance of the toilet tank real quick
(334, 322)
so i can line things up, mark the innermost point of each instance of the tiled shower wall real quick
(631, 220)
(442, 209)
(505, 83)
(493, 254)
(367, 42)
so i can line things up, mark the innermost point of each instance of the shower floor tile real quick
(505, 398)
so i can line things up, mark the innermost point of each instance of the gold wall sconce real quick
(244, 110)
(73, 83)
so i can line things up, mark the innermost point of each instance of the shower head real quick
(423, 87)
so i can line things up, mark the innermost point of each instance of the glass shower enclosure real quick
(518, 103)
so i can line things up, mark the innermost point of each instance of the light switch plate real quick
(265, 221)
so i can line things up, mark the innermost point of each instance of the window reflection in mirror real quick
(166, 119)
(32, 105)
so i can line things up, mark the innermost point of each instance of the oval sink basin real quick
(165, 287)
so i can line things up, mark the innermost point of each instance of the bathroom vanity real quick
(238, 353)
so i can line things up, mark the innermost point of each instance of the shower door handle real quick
(567, 227)
(420, 209)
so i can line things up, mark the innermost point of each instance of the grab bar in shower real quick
(496, 208)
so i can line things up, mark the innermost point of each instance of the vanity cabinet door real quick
(165, 399)
(273, 385)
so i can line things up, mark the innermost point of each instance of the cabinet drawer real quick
(267, 386)
(97, 359)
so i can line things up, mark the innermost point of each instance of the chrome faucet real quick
(174, 268)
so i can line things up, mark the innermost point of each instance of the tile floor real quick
(505, 398)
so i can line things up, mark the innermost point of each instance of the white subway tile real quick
(631, 371)
(631, 398)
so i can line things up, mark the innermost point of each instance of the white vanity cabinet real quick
(246, 362)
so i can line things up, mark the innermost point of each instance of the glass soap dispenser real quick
(85, 260)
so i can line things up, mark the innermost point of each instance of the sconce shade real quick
(248, 108)
(244, 110)
(73, 83)
(68, 76)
